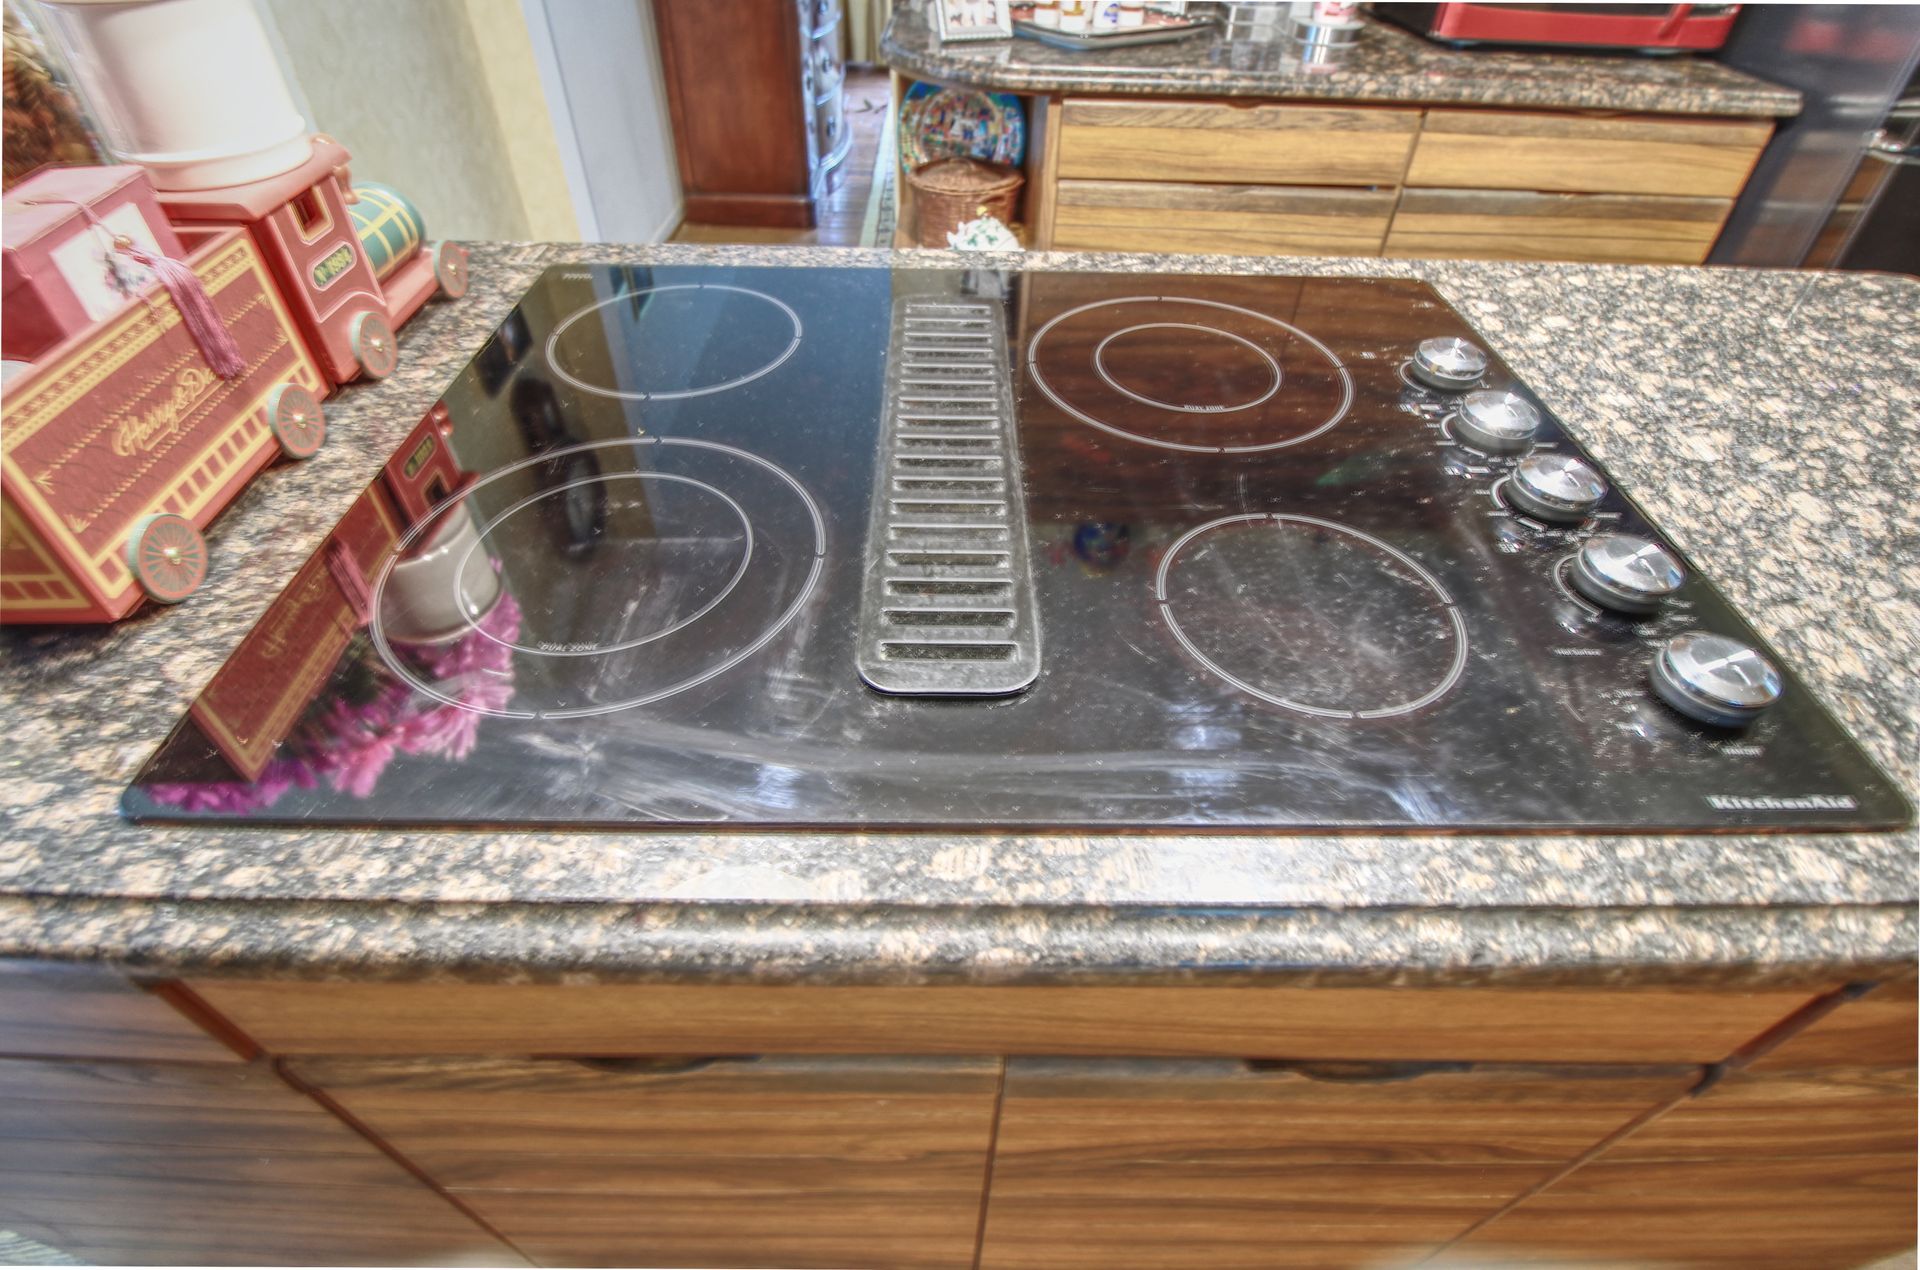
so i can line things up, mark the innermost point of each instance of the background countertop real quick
(1766, 420)
(1388, 64)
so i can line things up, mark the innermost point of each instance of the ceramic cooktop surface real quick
(871, 547)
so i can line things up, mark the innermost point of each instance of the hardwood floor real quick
(843, 211)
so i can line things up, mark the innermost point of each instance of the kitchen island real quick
(1394, 146)
(1512, 1047)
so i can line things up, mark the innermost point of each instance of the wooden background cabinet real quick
(755, 88)
(1250, 177)
(803, 1126)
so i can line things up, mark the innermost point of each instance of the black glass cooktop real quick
(1268, 576)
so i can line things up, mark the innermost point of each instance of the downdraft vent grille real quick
(948, 608)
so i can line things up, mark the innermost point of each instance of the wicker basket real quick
(947, 193)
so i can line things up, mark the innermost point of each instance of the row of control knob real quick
(1712, 678)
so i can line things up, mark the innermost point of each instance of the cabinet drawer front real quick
(86, 1012)
(1505, 1025)
(728, 1162)
(1209, 141)
(1199, 1111)
(1880, 1029)
(1840, 1111)
(1506, 225)
(1243, 219)
(1761, 1214)
(1146, 1163)
(1707, 158)
(206, 1164)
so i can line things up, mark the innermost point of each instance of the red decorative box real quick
(59, 271)
(128, 421)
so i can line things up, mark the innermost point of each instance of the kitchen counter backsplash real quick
(1766, 420)
(1387, 64)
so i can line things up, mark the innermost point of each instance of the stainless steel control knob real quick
(1715, 679)
(1449, 363)
(1556, 487)
(1631, 575)
(1497, 422)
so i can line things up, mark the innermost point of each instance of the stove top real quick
(915, 548)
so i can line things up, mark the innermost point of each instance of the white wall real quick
(401, 85)
(600, 68)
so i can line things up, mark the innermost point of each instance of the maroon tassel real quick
(203, 322)
(216, 343)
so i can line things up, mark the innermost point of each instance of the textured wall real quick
(401, 85)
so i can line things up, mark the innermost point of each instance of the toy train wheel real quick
(296, 421)
(374, 347)
(167, 556)
(450, 268)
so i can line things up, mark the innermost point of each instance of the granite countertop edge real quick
(1709, 948)
(1389, 65)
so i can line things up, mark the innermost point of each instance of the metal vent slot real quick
(948, 607)
(917, 587)
(951, 617)
(947, 650)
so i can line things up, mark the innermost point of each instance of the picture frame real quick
(973, 19)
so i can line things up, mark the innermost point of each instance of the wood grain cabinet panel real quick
(1234, 143)
(1505, 225)
(1809, 1170)
(731, 1162)
(1245, 219)
(1154, 1163)
(1486, 149)
(209, 1165)
(1395, 1024)
(1880, 1029)
(89, 1012)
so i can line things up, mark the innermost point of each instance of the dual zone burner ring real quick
(383, 640)
(1266, 362)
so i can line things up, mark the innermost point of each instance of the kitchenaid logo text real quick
(144, 431)
(1799, 802)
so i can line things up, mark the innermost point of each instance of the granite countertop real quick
(1389, 64)
(1768, 421)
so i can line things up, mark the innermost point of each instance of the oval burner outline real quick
(781, 620)
(674, 394)
(740, 571)
(1459, 625)
(1100, 364)
(1040, 380)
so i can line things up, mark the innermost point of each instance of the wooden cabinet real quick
(1250, 177)
(1805, 1171)
(86, 1012)
(1511, 225)
(1234, 143)
(729, 1162)
(1544, 1025)
(953, 1126)
(1789, 1161)
(1229, 219)
(1631, 154)
(202, 1159)
(1233, 1165)
(754, 88)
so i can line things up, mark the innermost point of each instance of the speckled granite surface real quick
(1770, 422)
(1388, 64)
